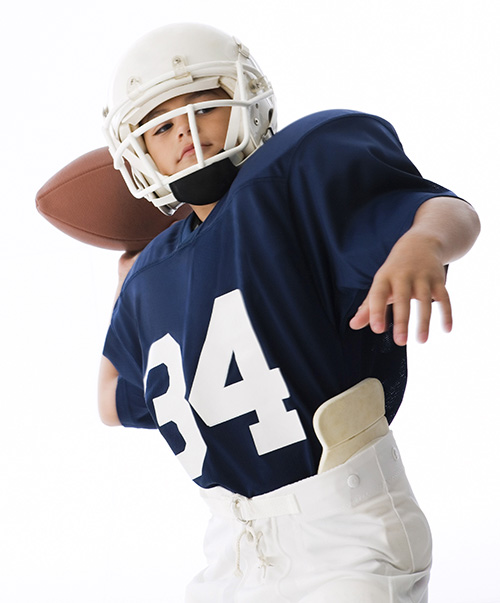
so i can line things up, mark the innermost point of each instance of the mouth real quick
(189, 151)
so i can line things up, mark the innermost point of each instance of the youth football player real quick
(264, 335)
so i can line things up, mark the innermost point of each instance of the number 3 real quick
(261, 389)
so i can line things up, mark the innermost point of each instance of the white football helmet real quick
(180, 59)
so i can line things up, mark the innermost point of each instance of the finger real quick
(443, 298)
(378, 300)
(438, 294)
(424, 319)
(362, 317)
(401, 315)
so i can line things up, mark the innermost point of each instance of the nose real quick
(182, 126)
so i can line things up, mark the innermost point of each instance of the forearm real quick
(447, 225)
(443, 230)
(108, 375)
(106, 393)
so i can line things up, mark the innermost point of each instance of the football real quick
(89, 201)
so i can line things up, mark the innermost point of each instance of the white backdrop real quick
(90, 513)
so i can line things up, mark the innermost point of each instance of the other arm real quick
(108, 375)
(444, 229)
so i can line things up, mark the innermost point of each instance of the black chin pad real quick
(207, 185)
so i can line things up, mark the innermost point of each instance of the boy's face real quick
(170, 144)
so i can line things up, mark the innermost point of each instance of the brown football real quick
(89, 200)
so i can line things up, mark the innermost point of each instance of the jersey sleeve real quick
(123, 350)
(131, 407)
(355, 194)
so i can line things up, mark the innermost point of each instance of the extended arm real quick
(444, 229)
(108, 375)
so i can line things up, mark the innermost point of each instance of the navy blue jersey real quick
(228, 337)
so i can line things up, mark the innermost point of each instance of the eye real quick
(162, 128)
(205, 111)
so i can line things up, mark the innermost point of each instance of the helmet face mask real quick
(170, 62)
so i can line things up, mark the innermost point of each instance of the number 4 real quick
(261, 389)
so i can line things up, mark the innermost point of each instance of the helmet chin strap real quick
(207, 185)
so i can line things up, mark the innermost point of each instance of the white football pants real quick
(354, 534)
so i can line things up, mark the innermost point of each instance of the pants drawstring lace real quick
(252, 536)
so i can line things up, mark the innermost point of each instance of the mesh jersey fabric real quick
(291, 251)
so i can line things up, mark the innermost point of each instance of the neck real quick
(203, 211)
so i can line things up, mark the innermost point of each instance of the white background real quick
(90, 513)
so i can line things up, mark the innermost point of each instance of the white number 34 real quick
(261, 389)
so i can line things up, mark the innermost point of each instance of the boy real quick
(288, 287)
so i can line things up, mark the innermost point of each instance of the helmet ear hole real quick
(272, 127)
(235, 131)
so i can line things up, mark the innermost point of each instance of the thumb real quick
(362, 317)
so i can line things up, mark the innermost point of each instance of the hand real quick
(125, 263)
(413, 270)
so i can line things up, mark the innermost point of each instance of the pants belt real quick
(365, 474)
